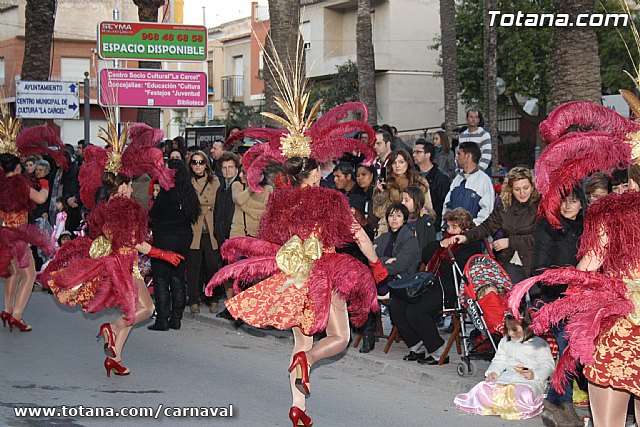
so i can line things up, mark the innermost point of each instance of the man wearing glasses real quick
(439, 182)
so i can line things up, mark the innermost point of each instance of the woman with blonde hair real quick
(515, 216)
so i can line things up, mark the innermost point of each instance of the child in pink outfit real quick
(515, 381)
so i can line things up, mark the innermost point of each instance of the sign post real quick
(47, 100)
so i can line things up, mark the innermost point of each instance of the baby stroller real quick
(482, 290)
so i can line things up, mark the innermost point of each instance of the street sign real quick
(47, 100)
(148, 41)
(210, 112)
(152, 88)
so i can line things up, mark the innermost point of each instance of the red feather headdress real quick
(140, 157)
(583, 138)
(322, 140)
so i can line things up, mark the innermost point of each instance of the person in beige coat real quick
(249, 208)
(204, 243)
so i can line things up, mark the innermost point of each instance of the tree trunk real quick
(148, 12)
(449, 63)
(284, 34)
(490, 75)
(575, 66)
(40, 17)
(366, 60)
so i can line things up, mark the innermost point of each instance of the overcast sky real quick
(217, 11)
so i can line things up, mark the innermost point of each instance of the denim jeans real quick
(554, 396)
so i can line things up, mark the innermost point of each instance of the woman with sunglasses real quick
(206, 184)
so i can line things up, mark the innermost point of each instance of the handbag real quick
(413, 287)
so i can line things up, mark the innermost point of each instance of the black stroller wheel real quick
(462, 369)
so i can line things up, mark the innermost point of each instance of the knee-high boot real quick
(178, 302)
(368, 331)
(163, 304)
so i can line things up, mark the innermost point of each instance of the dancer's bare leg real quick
(637, 408)
(144, 309)
(10, 288)
(28, 278)
(609, 406)
(302, 342)
(338, 332)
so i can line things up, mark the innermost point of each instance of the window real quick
(73, 69)
(1, 71)
(305, 30)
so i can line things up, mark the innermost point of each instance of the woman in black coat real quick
(171, 217)
(558, 248)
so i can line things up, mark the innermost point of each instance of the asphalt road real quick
(204, 366)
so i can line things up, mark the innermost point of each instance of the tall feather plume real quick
(9, 129)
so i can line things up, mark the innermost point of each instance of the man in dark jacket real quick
(229, 166)
(439, 182)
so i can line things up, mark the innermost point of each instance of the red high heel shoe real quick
(117, 367)
(19, 323)
(299, 417)
(302, 372)
(109, 339)
(5, 318)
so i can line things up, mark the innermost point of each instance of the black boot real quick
(368, 329)
(178, 302)
(163, 305)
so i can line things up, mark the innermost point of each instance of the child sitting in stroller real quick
(515, 381)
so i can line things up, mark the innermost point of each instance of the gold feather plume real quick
(9, 130)
(115, 141)
(292, 99)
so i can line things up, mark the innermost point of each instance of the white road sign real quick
(47, 100)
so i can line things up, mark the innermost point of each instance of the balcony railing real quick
(233, 88)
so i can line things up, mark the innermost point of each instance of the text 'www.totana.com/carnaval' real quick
(127, 412)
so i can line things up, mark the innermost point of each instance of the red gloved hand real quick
(379, 271)
(171, 257)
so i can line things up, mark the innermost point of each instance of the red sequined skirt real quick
(266, 304)
(617, 358)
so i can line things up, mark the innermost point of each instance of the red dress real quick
(15, 233)
(297, 213)
(99, 272)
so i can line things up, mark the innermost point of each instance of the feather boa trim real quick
(243, 272)
(304, 211)
(14, 241)
(121, 220)
(14, 193)
(234, 249)
(616, 216)
(115, 285)
(592, 304)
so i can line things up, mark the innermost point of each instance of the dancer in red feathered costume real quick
(303, 283)
(602, 302)
(101, 271)
(17, 197)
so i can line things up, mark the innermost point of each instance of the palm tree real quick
(449, 63)
(575, 66)
(490, 76)
(40, 17)
(284, 34)
(366, 60)
(148, 12)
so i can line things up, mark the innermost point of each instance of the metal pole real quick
(116, 65)
(87, 109)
